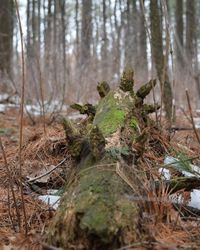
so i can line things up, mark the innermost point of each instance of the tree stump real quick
(95, 211)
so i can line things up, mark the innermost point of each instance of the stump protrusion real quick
(127, 81)
(148, 108)
(76, 142)
(103, 88)
(71, 131)
(146, 89)
(86, 109)
(97, 142)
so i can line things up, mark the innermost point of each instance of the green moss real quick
(96, 198)
(98, 219)
(111, 111)
(93, 185)
(95, 203)
(133, 123)
(112, 121)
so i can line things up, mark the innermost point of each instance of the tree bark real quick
(104, 47)
(190, 29)
(135, 32)
(157, 50)
(86, 31)
(179, 32)
(77, 31)
(117, 42)
(6, 33)
(128, 35)
(143, 46)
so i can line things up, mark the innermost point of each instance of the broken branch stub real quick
(86, 109)
(127, 81)
(146, 89)
(103, 88)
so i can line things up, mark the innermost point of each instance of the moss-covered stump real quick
(95, 211)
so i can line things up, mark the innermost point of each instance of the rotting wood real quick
(95, 211)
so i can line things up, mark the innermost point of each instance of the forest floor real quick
(41, 152)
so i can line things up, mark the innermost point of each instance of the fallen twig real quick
(172, 129)
(48, 172)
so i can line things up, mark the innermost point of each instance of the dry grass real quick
(162, 224)
(38, 151)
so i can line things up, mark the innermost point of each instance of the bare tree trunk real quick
(135, 33)
(48, 34)
(179, 32)
(190, 29)
(96, 61)
(128, 36)
(104, 48)
(117, 42)
(64, 58)
(196, 56)
(191, 43)
(85, 46)
(143, 47)
(39, 27)
(28, 10)
(6, 32)
(86, 31)
(157, 50)
(34, 25)
(77, 28)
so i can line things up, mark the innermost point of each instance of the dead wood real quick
(95, 211)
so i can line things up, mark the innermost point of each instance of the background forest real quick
(70, 45)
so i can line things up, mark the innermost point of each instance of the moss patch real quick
(96, 198)
(96, 205)
(112, 110)
(133, 123)
(111, 121)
